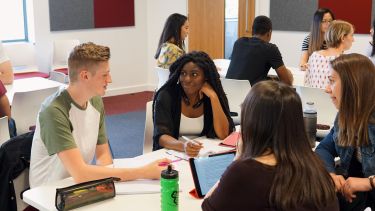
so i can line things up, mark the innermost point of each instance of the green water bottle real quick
(169, 189)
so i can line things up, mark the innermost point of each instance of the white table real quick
(298, 75)
(30, 84)
(43, 198)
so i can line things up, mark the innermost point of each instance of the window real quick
(231, 26)
(13, 21)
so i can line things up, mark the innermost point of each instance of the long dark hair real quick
(373, 38)
(271, 121)
(357, 74)
(172, 29)
(316, 37)
(204, 62)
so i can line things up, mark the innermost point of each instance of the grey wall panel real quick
(71, 14)
(292, 15)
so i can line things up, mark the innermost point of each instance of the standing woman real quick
(352, 138)
(339, 38)
(171, 43)
(315, 40)
(276, 168)
(191, 102)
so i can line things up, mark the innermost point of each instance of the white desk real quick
(298, 75)
(222, 66)
(25, 69)
(43, 198)
(30, 84)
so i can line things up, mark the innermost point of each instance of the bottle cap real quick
(169, 173)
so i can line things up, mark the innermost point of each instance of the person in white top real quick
(191, 102)
(6, 71)
(70, 128)
(339, 38)
(315, 40)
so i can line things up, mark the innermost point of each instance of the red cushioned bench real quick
(62, 70)
(30, 75)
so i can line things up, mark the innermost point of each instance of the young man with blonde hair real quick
(70, 128)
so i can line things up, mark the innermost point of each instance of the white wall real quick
(128, 47)
(290, 43)
(157, 12)
(131, 47)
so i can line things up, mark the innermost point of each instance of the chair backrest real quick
(223, 64)
(323, 103)
(149, 129)
(4, 130)
(15, 158)
(236, 91)
(21, 55)
(26, 105)
(21, 183)
(61, 51)
(163, 76)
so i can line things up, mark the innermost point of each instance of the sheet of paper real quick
(209, 147)
(136, 186)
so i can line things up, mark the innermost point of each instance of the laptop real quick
(326, 110)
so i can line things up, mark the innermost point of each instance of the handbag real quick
(85, 193)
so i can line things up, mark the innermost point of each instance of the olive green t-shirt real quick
(63, 125)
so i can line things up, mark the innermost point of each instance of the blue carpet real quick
(125, 133)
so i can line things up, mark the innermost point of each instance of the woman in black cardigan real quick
(193, 97)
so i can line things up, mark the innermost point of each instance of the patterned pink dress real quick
(318, 71)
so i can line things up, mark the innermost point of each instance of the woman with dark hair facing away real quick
(371, 48)
(315, 40)
(191, 102)
(171, 43)
(276, 168)
(352, 138)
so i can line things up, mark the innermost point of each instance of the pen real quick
(191, 140)
(167, 163)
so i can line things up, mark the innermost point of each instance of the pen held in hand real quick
(167, 163)
(194, 142)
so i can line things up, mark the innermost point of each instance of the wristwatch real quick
(371, 178)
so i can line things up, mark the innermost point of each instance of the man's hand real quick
(153, 169)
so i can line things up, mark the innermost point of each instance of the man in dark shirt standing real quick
(252, 57)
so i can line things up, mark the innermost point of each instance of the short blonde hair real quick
(86, 55)
(336, 31)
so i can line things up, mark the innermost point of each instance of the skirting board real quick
(130, 89)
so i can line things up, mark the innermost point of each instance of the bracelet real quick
(371, 178)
